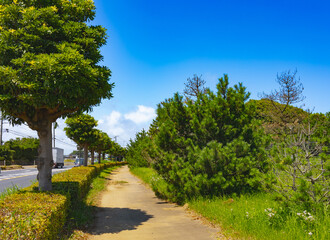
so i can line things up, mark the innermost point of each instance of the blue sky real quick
(154, 46)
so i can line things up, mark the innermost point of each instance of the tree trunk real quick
(99, 157)
(85, 155)
(92, 154)
(103, 155)
(45, 158)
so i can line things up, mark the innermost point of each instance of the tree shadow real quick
(109, 177)
(162, 202)
(115, 220)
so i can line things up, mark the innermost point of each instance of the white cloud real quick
(113, 122)
(113, 118)
(142, 115)
(125, 126)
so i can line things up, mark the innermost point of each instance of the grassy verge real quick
(8, 191)
(151, 177)
(260, 217)
(81, 215)
(11, 167)
(11, 190)
(69, 160)
(256, 216)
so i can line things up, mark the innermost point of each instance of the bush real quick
(24, 150)
(76, 183)
(138, 151)
(217, 170)
(210, 146)
(30, 214)
(9, 167)
(6, 155)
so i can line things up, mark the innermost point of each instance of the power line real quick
(1, 126)
(25, 135)
(16, 133)
(65, 142)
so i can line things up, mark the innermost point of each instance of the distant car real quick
(79, 162)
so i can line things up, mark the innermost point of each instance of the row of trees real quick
(49, 67)
(19, 151)
(214, 143)
(81, 129)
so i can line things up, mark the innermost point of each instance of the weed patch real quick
(8, 191)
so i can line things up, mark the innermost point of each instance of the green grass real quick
(12, 189)
(146, 174)
(256, 216)
(9, 191)
(98, 185)
(151, 177)
(260, 217)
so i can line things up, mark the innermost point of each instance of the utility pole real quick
(54, 134)
(1, 126)
(55, 125)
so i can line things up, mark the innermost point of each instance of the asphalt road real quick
(22, 177)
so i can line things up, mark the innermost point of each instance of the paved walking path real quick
(129, 210)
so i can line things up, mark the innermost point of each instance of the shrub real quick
(138, 151)
(6, 155)
(217, 170)
(25, 150)
(30, 214)
(210, 146)
(9, 167)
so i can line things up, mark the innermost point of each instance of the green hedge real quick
(30, 214)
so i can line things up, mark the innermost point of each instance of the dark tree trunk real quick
(99, 157)
(103, 155)
(85, 155)
(92, 155)
(45, 158)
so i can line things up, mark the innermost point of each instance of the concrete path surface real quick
(129, 210)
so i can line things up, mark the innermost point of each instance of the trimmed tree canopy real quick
(49, 66)
(80, 128)
(48, 59)
(101, 144)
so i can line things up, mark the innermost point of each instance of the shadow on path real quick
(115, 220)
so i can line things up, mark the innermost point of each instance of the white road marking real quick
(28, 173)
